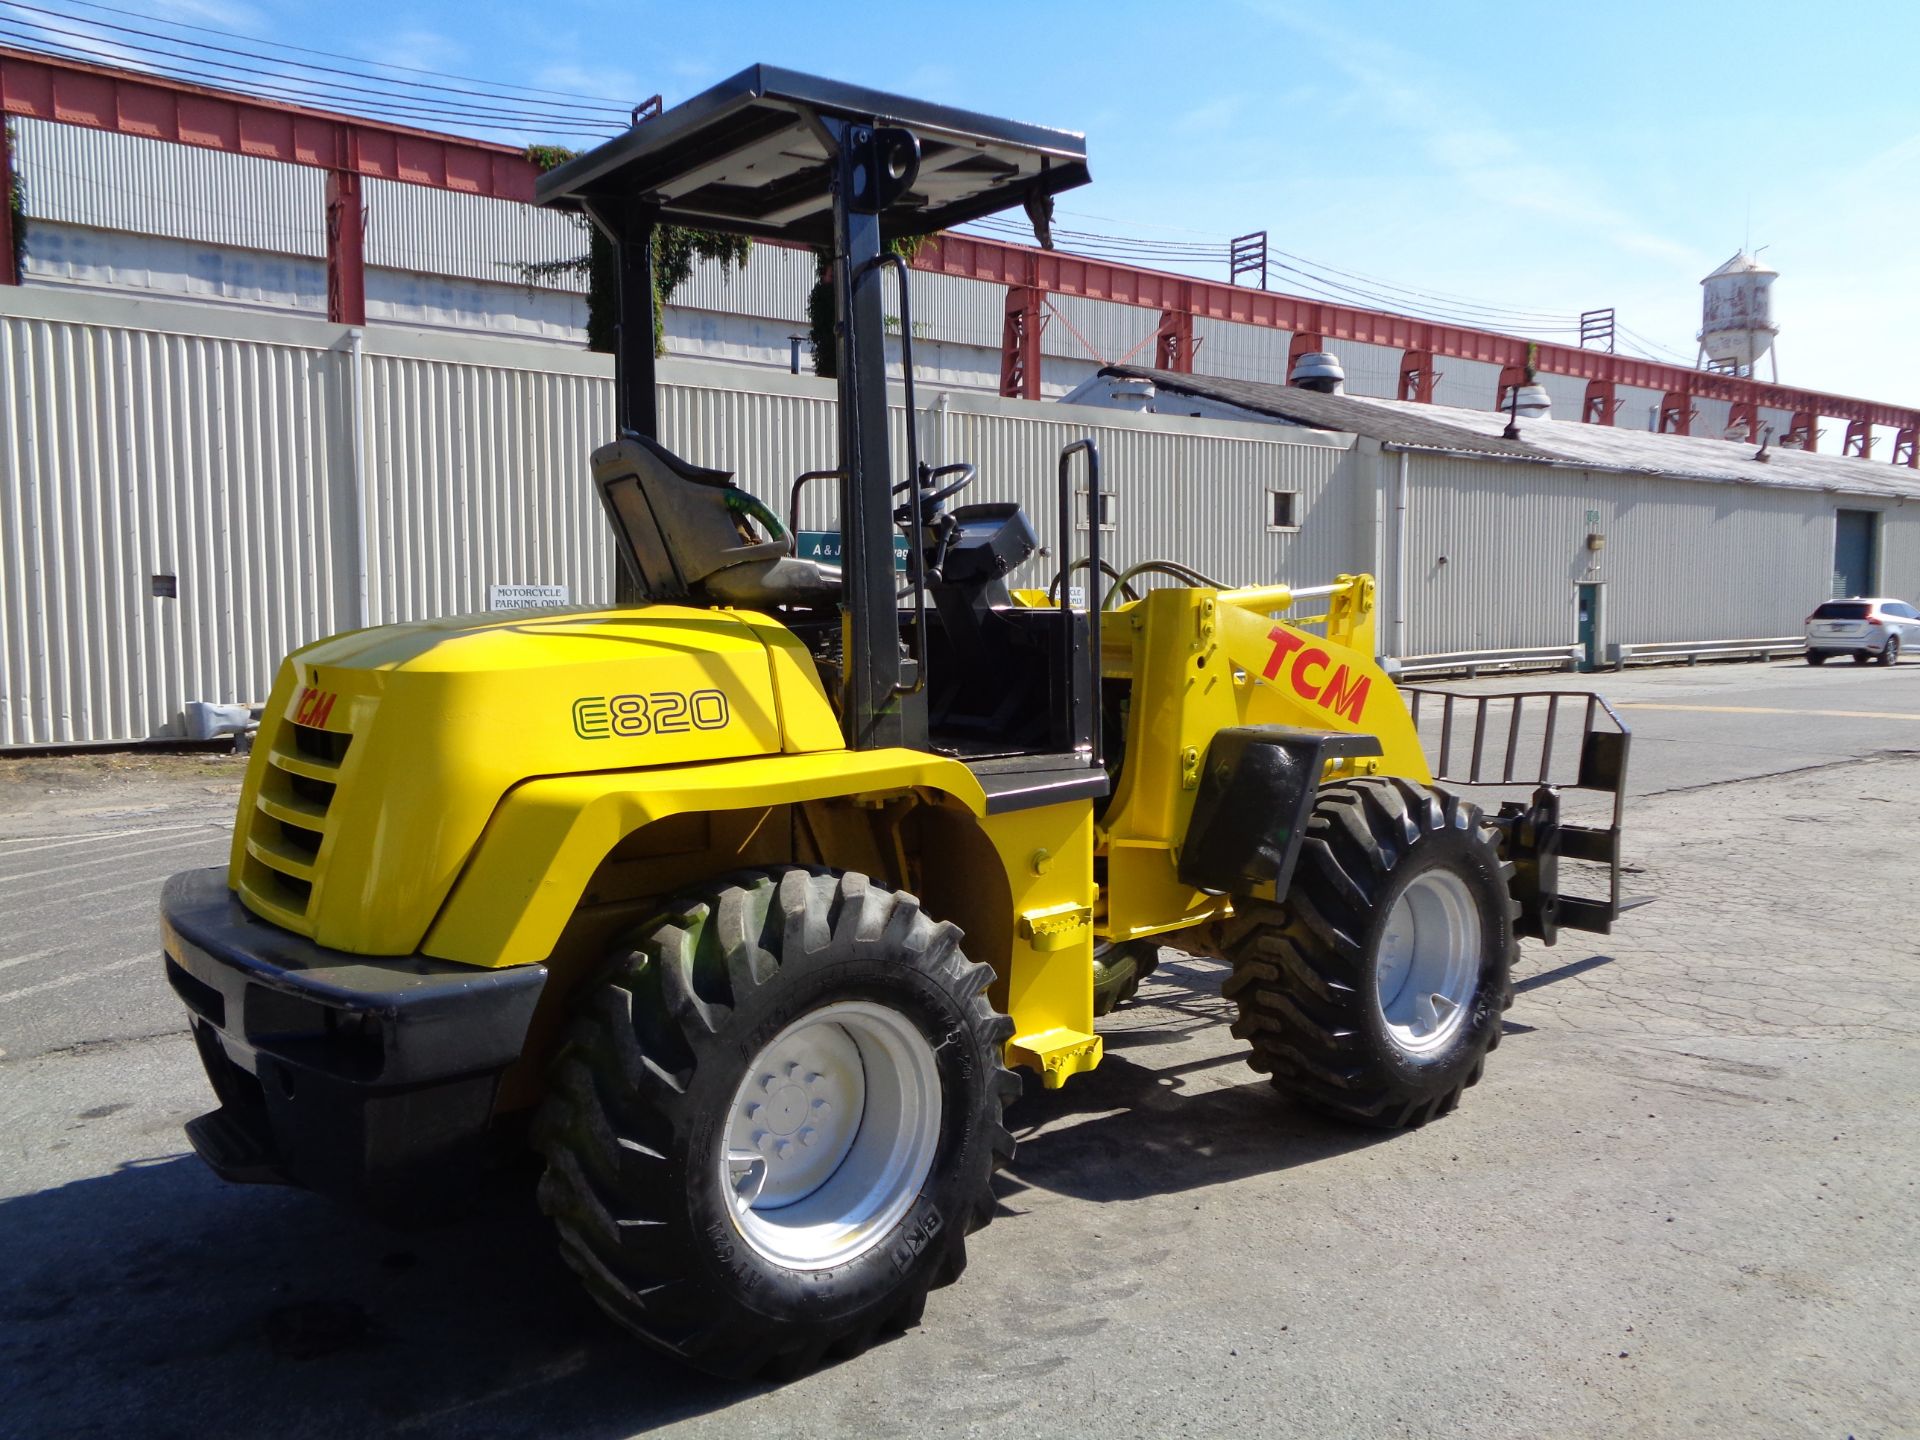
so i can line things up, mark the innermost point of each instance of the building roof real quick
(1567, 442)
(1429, 425)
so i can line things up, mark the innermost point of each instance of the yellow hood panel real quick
(435, 721)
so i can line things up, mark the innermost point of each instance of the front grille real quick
(287, 832)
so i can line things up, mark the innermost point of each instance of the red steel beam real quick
(9, 273)
(346, 250)
(976, 258)
(72, 92)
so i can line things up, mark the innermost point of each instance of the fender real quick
(1256, 791)
(547, 836)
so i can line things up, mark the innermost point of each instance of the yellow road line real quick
(1769, 710)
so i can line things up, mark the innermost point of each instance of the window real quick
(1283, 509)
(1106, 510)
(1841, 610)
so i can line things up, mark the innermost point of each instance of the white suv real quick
(1863, 628)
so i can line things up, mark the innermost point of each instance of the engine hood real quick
(385, 751)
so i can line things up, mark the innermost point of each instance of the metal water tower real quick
(1736, 316)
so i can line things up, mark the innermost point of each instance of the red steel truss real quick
(349, 149)
(1313, 323)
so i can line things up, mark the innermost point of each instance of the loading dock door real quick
(1854, 534)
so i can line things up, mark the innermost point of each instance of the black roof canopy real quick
(751, 156)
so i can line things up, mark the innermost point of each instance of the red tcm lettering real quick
(1341, 692)
(314, 706)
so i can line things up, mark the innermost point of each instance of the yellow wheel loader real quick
(739, 905)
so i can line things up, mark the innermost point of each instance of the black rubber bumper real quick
(366, 1077)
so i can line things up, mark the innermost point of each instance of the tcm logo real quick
(313, 707)
(1341, 692)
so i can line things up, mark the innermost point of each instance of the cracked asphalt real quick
(1682, 1202)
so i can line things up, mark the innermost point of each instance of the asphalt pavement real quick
(1681, 1201)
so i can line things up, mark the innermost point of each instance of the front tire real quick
(1374, 992)
(775, 1119)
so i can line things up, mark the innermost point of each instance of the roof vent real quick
(1319, 370)
(1533, 403)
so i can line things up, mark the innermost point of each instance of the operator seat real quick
(684, 533)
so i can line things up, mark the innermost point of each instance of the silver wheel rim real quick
(831, 1135)
(1429, 963)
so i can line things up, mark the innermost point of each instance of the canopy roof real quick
(750, 156)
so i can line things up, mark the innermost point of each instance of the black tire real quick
(635, 1124)
(1860, 657)
(1816, 657)
(1304, 971)
(1890, 652)
(1118, 971)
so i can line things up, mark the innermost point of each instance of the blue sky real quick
(1545, 157)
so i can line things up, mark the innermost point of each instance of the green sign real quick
(824, 546)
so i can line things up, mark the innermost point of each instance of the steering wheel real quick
(964, 469)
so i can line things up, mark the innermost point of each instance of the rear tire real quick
(1816, 657)
(775, 1119)
(1890, 652)
(1860, 657)
(1374, 992)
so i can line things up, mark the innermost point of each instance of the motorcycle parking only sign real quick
(527, 597)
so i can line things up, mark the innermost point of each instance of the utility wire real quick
(334, 55)
(1314, 276)
(609, 110)
(192, 67)
(1653, 344)
(303, 92)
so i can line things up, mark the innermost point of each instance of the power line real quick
(526, 106)
(1315, 277)
(300, 90)
(334, 55)
(1656, 345)
(292, 85)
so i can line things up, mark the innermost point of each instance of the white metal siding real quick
(1684, 560)
(478, 475)
(155, 187)
(442, 232)
(145, 438)
(131, 453)
(1238, 352)
(1473, 385)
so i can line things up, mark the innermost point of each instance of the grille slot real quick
(317, 792)
(301, 838)
(288, 829)
(329, 746)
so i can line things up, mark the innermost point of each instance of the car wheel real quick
(1890, 652)
(1816, 657)
(1860, 657)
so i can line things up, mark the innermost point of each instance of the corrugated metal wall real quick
(78, 176)
(271, 473)
(139, 453)
(218, 448)
(477, 475)
(1684, 560)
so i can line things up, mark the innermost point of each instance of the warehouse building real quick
(1484, 542)
(207, 465)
